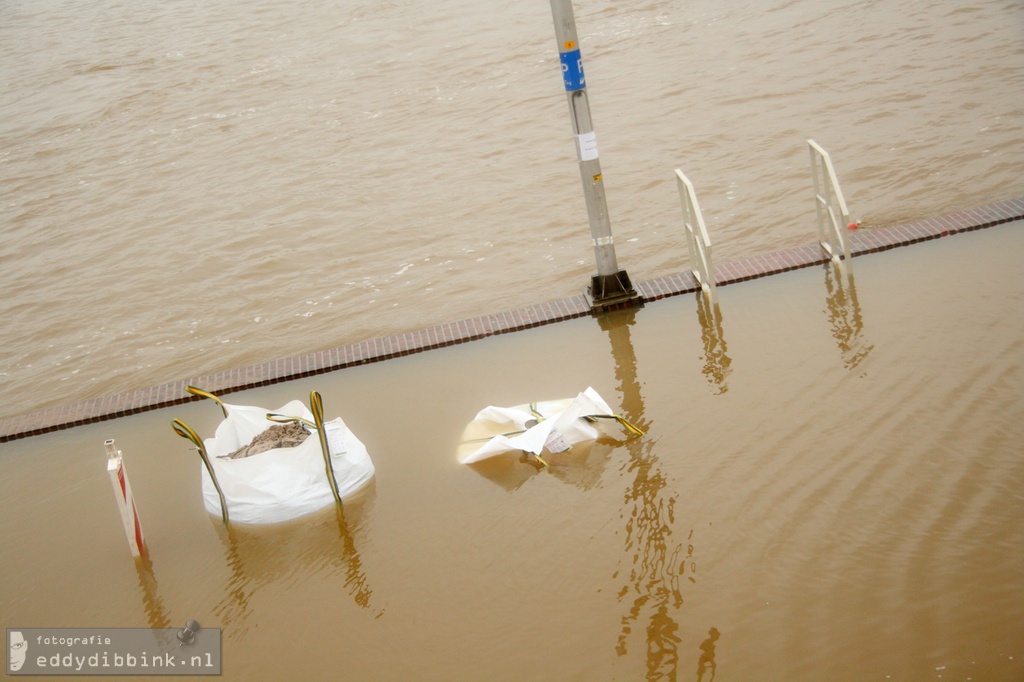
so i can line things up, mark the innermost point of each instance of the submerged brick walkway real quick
(373, 350)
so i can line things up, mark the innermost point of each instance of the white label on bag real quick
(556, 443)
(335, 433)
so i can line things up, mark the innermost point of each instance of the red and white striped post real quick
(125, 500)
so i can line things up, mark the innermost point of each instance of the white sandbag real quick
(559, 424)
(281, 483)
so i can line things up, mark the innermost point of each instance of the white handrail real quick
(828, 202)
(697, 237)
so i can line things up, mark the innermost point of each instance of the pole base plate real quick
(612, 292)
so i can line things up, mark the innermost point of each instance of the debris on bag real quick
(277, 436)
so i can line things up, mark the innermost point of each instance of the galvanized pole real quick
(610, 287)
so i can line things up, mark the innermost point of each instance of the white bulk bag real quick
(281, 483)
(559, 424)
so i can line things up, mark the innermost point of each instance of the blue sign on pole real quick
(572, 70)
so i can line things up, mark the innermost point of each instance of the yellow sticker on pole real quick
(570, 45)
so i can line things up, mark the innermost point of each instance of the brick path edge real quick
(862, 242)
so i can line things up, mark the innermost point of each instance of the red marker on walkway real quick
(125, 499)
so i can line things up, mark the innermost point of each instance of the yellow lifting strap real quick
(206, 394)
(617, 417)
(285, 419)
(316, 406)
(590, 418)
(186, 432)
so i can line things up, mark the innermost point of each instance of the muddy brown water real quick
(193, 187)
(829, 487)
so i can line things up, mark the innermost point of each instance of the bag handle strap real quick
(591, 417)
(206, 394)
(617, 417)
(186, 432)
(316, 406)
(286, 419)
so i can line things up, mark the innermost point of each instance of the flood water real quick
(829, 487)
(830, 482)
(189, 187)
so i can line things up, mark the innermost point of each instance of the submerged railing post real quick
(125, 499)
(610, 287)
(697, 237)
(830, 206)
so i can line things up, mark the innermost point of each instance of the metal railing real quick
(830, 205)
(697, 237)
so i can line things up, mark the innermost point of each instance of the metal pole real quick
(610, 287)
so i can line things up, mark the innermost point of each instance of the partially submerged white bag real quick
(552, 425)
(281, 483)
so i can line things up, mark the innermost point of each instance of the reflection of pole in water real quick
(845, 317)
(707, 656)
(657, 561)
(617, 326)
(716, 359)
(154, 606)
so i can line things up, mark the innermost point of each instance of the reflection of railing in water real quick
(845, 316)
(706, 661)
(658, 560)
(717, 363)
